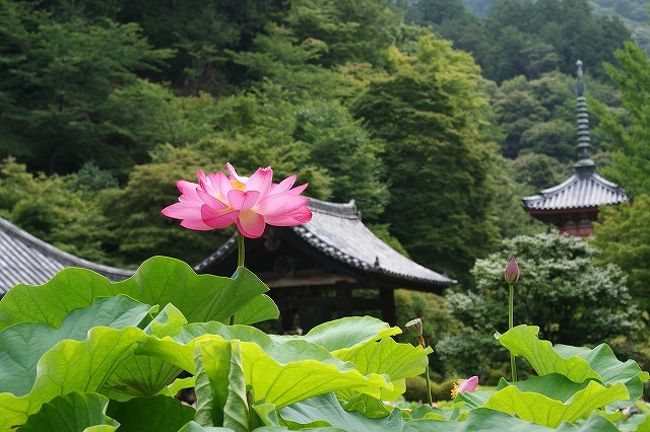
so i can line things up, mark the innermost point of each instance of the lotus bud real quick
(511, 273)
(415, 327)
(465, 386)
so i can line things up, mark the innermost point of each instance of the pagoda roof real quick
(27, 259)
(337, 232)
(580, 191)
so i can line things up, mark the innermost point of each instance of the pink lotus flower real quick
(468, 385)
(511, 274)
(251, 202)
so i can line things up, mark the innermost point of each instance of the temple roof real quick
(585, 188)
(27, 259)
(577, 192)
(336, 230)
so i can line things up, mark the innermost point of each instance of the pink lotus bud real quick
(511, 273)
(468, 385)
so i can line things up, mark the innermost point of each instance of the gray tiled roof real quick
(578, 191)
(337, 231)
(26, 259)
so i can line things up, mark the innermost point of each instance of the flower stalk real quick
(241, 250)
(416, 329)
(511, 275)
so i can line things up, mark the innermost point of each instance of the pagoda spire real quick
(585, 165)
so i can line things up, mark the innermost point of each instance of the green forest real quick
(435, 116)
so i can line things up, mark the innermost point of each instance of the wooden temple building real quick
(331, 266)
(573, 205)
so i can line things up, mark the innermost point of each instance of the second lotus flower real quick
(218, 201)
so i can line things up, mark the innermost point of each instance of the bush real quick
(562, 290)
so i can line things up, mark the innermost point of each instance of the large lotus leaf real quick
(325, 410)
(611, 370)
(368, 406)
(71, 366)
(397, 360)
(195, 427)
(143, 375)
(158, 281)
(387, 357)
(481, 419)
(636, 423)
(347, 332)
(157, 414)
(23, 344)
(593, 424)
(286, 429)
(72, 412)
(260, 308)
(486, 420)
(221, 386)
(523, 341)
(279, 383)
(555, 386)
(140, 376)
(540, 409)
(577, 364)
(283, 350)
(472, 400)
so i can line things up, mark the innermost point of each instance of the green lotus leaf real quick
(260, 308)
(345, 333)
(158, 281)
(195, 427)
(221, 386)
(555, 386)
(487, 420)
(71, 366)
(611, 370)
(592, 424)
(284, 350)
(543, 410)
(288, 383)
(366, 405)
(577, 364)
(477, 399)
(522, 341)
(144, 375)
(481, 419)
(156, 414)
(23, 344)
(285, 429)
(72, 412)
(636, 423)
(387, 357)
(276, 382)
(178, 385)
(325, 410)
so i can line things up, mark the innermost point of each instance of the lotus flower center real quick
(236, 184)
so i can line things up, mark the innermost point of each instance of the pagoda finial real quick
(585, 165)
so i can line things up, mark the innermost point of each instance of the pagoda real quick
(573, 205)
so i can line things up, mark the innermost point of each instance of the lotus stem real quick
(241, 256)
(241, 250)
(511, 319)
(423, 344)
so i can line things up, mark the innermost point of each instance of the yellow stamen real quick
(454, 391)
(236, 184)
